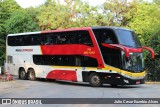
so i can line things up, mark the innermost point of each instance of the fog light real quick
(118, 77)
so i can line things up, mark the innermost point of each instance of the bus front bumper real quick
(117, 79)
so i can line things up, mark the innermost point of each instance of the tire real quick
(95, 80)
(22, 74)
(31, 75)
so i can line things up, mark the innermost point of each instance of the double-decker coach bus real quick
(96, 55)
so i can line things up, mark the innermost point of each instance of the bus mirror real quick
(149, 49)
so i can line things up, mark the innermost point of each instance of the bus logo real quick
(24, 50)
(89, 51)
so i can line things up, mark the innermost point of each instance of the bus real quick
(97, 55)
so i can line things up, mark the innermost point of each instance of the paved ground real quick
(59, 89)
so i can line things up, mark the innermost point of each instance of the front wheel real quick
(31, 75)
(95, 80)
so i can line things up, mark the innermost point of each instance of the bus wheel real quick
(95, 80)
(22, 74)
(31, 75)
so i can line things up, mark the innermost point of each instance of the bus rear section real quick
(98, 55)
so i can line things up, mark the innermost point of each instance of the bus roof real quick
(110, 27)
(71, 29)
(16, 34)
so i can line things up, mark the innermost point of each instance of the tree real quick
(146, 24)
(6, 8)
(22, 21)
(52, 16)
(73, 13)
(119, 12)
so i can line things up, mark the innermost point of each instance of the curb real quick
(152, 82)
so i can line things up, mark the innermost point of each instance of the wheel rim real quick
(95, 79)
(31, 74)
(22, 74)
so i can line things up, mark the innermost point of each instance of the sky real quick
(34, 3)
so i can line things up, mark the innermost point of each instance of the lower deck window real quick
(65, 60)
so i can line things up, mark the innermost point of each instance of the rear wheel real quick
(22, 74)
(95, 80)
(31, 75)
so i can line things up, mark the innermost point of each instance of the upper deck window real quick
(53, 38)
(105, 36)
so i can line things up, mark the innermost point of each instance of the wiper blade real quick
(126, 45)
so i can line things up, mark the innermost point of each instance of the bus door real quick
(10, 65)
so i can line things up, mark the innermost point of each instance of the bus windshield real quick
(134, 62)
(128, 38)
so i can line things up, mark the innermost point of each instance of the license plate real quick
(138, 82)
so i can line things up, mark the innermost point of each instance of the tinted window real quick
(128, 38)
(25, 40)
(10, 59)
(105, 36)
(110, 56)
(69, 37)
(65, 60)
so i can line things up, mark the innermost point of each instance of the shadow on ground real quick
(83, 84)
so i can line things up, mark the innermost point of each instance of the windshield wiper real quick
(126, 45)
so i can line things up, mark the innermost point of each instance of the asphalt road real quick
(59, 89)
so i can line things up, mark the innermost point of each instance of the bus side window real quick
(12, 40)
(109, 37)
(62, 39)
(26, 40)
(17, 41)
(9, 59)
(83, 37)
(72, 39)
(89, 62)
(36, 40)
(53, 38)
(105, 36)
(48, 39)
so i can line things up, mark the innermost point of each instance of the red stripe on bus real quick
(73, 49)
(66, 49)
(69, 75)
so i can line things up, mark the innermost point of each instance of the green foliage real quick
(73, 13)
(6, 9)
(119, 12)
(52, 16)
(26, 22)
(146, 23)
